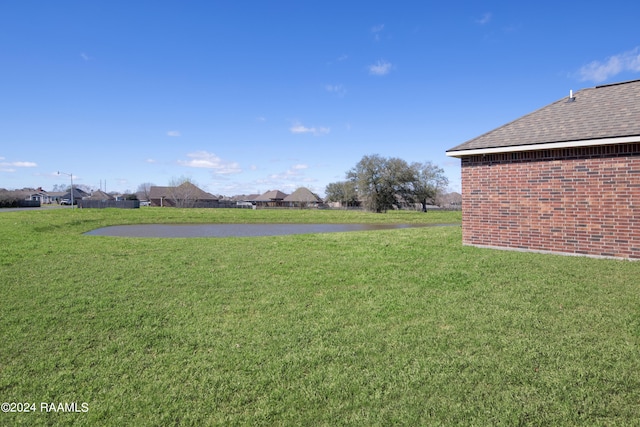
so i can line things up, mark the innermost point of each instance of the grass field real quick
(393, 327)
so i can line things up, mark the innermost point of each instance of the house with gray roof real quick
(78, 194)
(99, 195)
(272, 199)
(563, 179)
(303, 198)
(183, 196)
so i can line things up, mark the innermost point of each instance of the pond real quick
(240, 230)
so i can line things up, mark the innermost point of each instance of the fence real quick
(217, 204)
(18, 203)
(102, 204)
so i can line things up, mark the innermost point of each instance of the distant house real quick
(302, 198)
(272, 199)
(244, 200)
(250, 198)
(55, 196)
(40, 195)
(99, 195)
(184, 195)
(564, 178)
(78, 194)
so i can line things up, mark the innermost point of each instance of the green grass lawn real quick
(393, 327)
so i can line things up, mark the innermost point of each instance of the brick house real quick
(303, 198)
(272, 199)
(563, 179)
(185, 195)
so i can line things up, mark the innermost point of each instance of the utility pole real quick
(71, 176)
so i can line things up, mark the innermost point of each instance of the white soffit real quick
(545, 146)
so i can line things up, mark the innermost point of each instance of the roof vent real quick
(571, 97)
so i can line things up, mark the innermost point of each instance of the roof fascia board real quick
(545, 146)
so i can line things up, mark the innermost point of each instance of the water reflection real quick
(239, 230)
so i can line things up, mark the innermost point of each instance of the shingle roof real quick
(272, 195)
(100, 195)
(302, 194)
(156, 191)
(77, 194)
(607, 111)
(184, 189)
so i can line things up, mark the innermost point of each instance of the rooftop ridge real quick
(618, 83)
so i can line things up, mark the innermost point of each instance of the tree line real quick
(378, 183)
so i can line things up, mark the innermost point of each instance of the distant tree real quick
(130, 196)
(429, 181)
(367, 176)
(183, 192)
(144, 189)
(379, 180)
(343, 192)
(59, 188)
(9, 199)
(451, 200)
(384, 182)
(86, 188)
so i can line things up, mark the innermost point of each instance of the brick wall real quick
(579, 201)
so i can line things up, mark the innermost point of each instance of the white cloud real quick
(376, 30)
(18, 164)
(380, 68)
(598, 71)
(293, 173)
(301, 129)
(485, 19)
(340, 58)
(261, 119)
(25, 164)
(151, 160)
(204, 159)
(174, 133)
(336, 89)
(85, 56)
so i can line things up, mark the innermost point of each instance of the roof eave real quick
(545, 146)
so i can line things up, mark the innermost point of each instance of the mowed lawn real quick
(392, 327)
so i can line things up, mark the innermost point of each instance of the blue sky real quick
(250, 96)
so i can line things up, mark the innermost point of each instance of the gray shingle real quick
(303, 194)
(271, 195)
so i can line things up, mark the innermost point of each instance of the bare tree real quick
(183, 192)
(84, 187)
(451, 200)
(144, 190)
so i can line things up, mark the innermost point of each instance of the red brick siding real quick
(579, 201)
